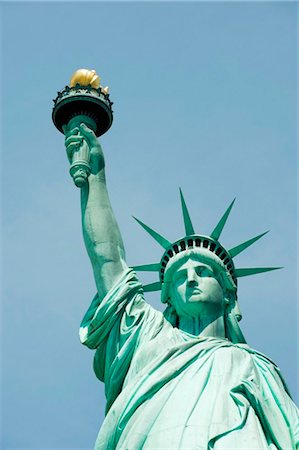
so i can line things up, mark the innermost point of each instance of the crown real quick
(208, 246)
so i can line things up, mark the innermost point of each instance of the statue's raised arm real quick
(100, 230)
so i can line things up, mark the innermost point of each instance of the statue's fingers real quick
(74, 130)
(88, 134)
(73, 145)
(68, 132)
(71, 148)
(73, 139)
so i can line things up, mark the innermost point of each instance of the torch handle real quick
(80, 167)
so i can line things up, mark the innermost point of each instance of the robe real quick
(169, 390)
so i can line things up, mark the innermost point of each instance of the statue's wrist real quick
(97, 177)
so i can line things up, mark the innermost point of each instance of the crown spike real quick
(147, 267)
(160, 239)
(152, 287)
(241, 247)
(187, 221)
(220, 225)
(254, 270)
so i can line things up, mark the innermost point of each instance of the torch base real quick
(80, 171)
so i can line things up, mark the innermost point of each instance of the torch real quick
(83, 101)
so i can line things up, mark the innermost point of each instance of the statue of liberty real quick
(185, 378)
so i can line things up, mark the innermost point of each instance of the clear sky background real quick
(204, 98)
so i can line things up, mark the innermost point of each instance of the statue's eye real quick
(205, 272)
(180, 276)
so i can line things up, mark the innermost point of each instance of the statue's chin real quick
(195, 298)
(198, 306)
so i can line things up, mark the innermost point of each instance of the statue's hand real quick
(76, 137)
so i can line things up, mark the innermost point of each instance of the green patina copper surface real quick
(185, 379)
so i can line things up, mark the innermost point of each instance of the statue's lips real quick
(194, 292)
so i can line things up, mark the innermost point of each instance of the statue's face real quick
(195, 290)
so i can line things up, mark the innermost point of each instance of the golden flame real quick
(85, 77)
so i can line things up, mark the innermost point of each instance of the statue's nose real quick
(192, 278)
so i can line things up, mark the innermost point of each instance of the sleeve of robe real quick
(115, 327)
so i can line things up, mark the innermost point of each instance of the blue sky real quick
(204, 98)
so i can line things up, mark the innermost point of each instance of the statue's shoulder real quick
(244, 353)
(256, 354)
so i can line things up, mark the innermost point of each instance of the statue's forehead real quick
(193, 260)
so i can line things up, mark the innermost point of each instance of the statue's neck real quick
(204, 327)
